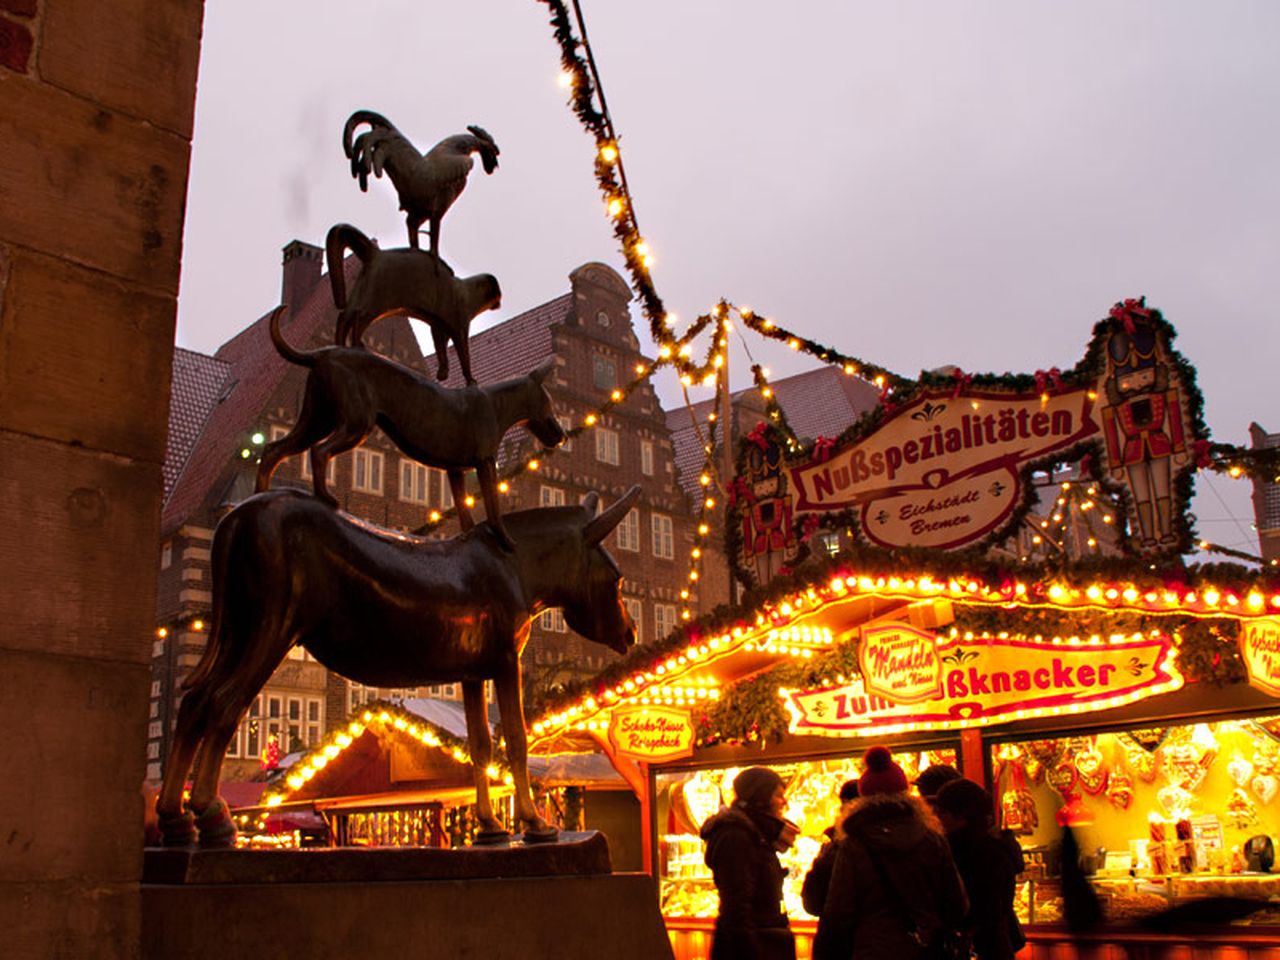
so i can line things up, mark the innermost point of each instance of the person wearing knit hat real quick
(986, 866)
(894, 885)
(742, 843)
(933, 778)
(881, 775)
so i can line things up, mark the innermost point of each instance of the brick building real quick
(224, 407)
(1266, 498)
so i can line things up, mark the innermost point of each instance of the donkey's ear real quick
(603, 525)
(543, 370)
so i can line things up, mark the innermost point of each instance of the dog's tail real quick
(299, 357)
(342, 237)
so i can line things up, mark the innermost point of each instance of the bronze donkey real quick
(349, 391)
(386, 610)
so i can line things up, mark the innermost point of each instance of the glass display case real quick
(1162, 815)
(687, 799)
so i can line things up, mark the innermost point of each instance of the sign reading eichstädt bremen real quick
(945, 463)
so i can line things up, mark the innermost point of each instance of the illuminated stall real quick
(986, 568)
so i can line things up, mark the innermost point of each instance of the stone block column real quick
(96, 104)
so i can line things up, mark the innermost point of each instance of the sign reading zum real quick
(651, 733)
(988, 680)
(1260, 651)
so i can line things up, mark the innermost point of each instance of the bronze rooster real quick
(427, 184)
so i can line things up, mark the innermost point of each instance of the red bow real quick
(810, 527)
(1126, 311)
(1201, 450)
(757, 437)
(962, 380)
(1049, 381)
(822, 448)
(1086, 465)
(888, 404)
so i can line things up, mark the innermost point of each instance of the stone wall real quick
(96, 102)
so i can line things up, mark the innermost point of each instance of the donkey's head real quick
(593, 606)
(540, 413)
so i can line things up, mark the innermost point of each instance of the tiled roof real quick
(198, 381)
(822, 402)
(513, 347)
(254, 371)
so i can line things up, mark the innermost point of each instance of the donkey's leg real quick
(310, 428)
(511, 708)
(481, 744)
(458, 487)
(487, 474)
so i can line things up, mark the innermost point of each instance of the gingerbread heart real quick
(1175, 801)
(1240, 770)
(1264, 787)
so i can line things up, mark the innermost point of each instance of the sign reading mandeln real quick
(651, 733)
(945, 470)
(1260, 651)
(989, 680)
(900, 663)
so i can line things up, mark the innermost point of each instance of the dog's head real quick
(542, 422)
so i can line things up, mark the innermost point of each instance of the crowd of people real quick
(901, 877)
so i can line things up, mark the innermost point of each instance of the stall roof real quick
(698, 663)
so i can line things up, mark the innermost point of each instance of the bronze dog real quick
(349, 391)
(407, 282)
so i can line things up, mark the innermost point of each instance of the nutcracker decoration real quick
(769, 543)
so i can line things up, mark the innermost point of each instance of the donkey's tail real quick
(300, 357)
(220, 568)
(343, 237)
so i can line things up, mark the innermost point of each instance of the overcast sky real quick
(915, 183)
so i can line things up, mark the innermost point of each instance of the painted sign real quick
(1260, 651)
(651, 733)
(993, 680)
(946, 466)
(900, 663)
(945, 470)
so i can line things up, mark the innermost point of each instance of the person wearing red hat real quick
(894, 893)
(742, 843)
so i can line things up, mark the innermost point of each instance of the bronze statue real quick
(407, 282)
(386, 610)
(349, 391)
(427, 184)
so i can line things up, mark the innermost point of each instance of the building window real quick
(629, 531)
(415, 482)
(646, 458)
(607, 446)
(553, 621)
(603, 374)
(551, 496)
(663, 542)
(827, 543)
(166, 554)
(366, 471)
(635, 609)
(315, 720)
(252, 736)
(330, 468)
(664, 620)
(566, 424)
(444, 691)
(442, 484)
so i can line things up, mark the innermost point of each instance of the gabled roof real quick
(198, 381)
(817, 403)
(513, 347)
(254, 371)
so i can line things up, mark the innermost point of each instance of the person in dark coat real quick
(816, 882)
(742, 841)
(920, 896)
(932, 779)
(986, 866)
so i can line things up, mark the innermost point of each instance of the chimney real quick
(302, 265)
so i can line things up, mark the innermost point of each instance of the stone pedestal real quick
(517, 902)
